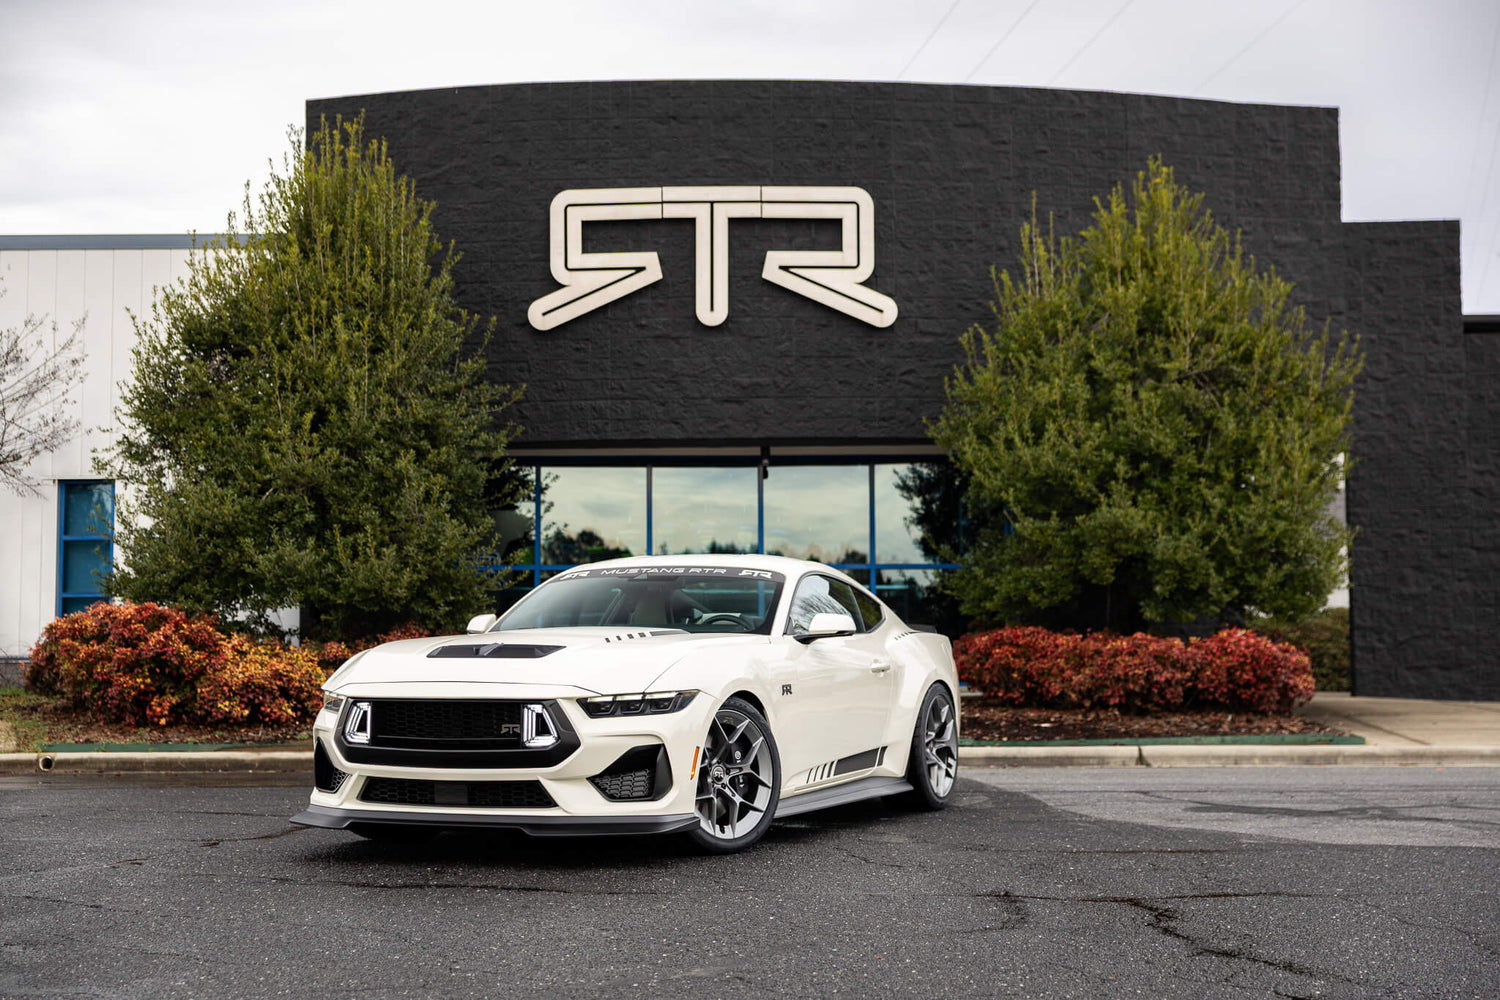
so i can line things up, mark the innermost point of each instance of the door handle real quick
(879, 667)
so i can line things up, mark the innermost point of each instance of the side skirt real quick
(839, 795)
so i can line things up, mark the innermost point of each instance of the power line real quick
(1102, 29)
(1249, 45)
(996, 47)
(931, 35)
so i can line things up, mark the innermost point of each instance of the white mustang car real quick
(655, 694)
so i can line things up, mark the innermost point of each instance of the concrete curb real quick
(119, 763)
(1051, 756)
(1236, 755)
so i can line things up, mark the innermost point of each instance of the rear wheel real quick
(739, 780)
(932, 767)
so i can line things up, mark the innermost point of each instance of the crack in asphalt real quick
(425, 886)
(1163, 920)
(74, 902)
(215, 842)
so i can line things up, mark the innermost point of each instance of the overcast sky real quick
(149, 117)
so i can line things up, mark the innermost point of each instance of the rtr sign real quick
(832, 277)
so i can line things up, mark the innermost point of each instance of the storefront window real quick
(703, 510)
(819, 512)
(897, 536)
(831, 513)
(589, 514)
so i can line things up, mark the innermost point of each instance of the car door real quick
(838, 708)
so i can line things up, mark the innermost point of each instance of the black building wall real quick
(1422, 492)
(953, 171)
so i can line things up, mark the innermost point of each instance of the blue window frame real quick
(85, 542)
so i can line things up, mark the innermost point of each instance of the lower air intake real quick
(629, 785)
(326, 777)
(640, 774)
(457, 794)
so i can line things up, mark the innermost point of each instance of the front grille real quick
(411, 723)
(455, 733)
(458, 794)
(326, 777)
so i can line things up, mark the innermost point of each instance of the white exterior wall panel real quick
(105, 284)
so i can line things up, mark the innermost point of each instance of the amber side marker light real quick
(694, 772)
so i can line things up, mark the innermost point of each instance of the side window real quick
(820, 595)
(869, 609)
(85, 523)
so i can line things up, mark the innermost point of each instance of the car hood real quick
(601, 660)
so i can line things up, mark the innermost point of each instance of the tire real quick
(739, 780)
(932, 765)
(394, 833)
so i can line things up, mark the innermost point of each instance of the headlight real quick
(651, 703)
(332, 702)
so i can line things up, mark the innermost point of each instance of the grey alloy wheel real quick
(932, 767)
(739, 779)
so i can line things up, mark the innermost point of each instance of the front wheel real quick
(739, 780)
(932, 767)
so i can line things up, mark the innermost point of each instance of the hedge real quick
(1236, 669)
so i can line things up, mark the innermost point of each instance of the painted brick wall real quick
(1416, 568)
(952, 171)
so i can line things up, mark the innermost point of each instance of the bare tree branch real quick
(35, 374)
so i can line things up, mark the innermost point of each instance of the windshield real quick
(692, 599)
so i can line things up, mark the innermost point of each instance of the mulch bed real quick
(64, 725)
(983, 719)
(987, 720)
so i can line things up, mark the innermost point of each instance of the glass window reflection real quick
(589, 514)
(703, 509)
(819, 512)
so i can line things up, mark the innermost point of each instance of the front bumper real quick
(574, 804)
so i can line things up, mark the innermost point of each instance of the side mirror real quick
(481, 623)
(824, 625)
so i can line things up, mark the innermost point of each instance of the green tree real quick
(309, 422)
(1158, 431)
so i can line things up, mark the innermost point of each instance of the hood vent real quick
(644, 635)
(494, 651)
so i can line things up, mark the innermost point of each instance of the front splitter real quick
(331, 818)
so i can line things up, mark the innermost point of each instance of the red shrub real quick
(148, 664)
(136, 663)
(262, 682)
(1241, 669)
(1020, 664)
(1235, 669)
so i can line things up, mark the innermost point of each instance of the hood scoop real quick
(493, 651)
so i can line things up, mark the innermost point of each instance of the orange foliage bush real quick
(147, 664)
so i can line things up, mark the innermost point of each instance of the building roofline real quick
(134, 241)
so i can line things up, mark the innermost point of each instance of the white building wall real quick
(103, 280)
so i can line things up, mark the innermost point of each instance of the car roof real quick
(776, 564)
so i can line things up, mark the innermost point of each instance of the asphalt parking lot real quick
(1293, 882)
